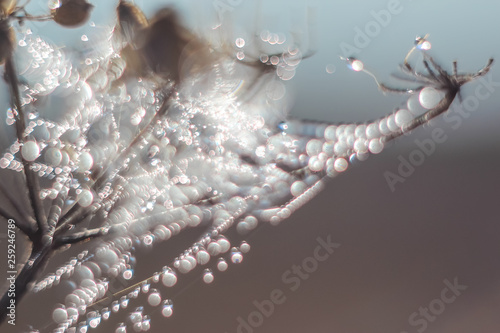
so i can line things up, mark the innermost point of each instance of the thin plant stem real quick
(32, 182)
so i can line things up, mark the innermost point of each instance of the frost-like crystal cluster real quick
(145, 162)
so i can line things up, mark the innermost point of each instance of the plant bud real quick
(136, 66)
(130, 20)
(7, 38)
(72, 13)
(171, 50)
(7, 7)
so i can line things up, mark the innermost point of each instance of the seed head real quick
(72, 13)
(7, 7)
(130, 20)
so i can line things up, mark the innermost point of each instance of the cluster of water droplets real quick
(79, 312)
(146, 159)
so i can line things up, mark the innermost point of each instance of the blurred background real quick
(396, 247)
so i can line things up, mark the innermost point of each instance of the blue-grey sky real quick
(378, 32)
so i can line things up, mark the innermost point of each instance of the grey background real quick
(396, 247)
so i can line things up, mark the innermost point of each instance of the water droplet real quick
(85, 198)
(72, 315)
(429, 97)
(360, 145)
(354, 64)
(403, 117)
(124, 302)
(313, 147)
(244, 247)
(135, 293)
(122, 328)
(236, 255)
(146, 324)
(83, 327)
(115, 306)
(186, 265)
(60, 315)
(224, 244)
(391, 123)
(422, 43)
(340, 164)
(168, 308)
(240, 42)
(208, 276)
(169, 278)
(222, 265)
(282, 126)
(148, 239)
(4, 163)
(135, 119)
(242, 228)
(330, 68)
(85, 38)
(30, 151)
(375, 146)
(340, 148)
(145, 288)
(53, 156)
(265, 35)
(275, 90)
(85, 162)
(252, 222)
(372, 131)
(94, 322)
(153, 151)
(136, 315)
(54, 4)
(154, 299)
(105, 313)
(202, 257)
(297, 188)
